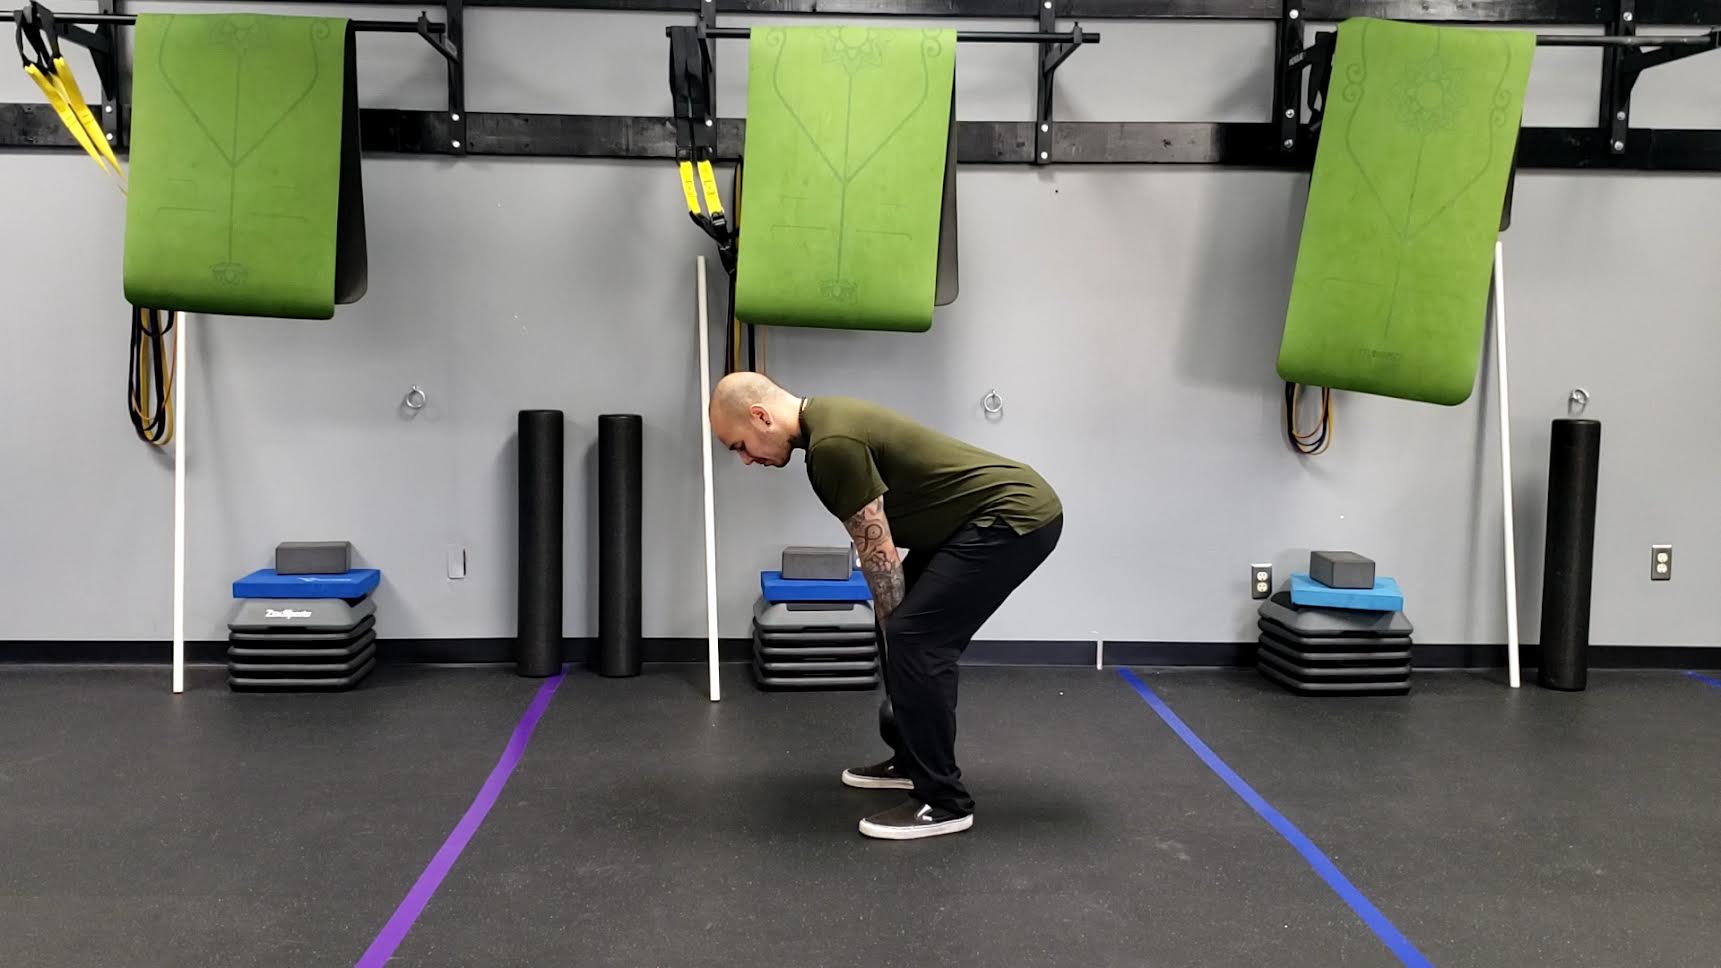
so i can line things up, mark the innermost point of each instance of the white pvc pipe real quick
(1506, 464)
(180, 372)
(710, 499)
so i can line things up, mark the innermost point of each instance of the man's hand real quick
(879, 559)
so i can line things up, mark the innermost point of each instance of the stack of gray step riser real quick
(301, 645)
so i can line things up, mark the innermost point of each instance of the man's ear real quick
(759, 413)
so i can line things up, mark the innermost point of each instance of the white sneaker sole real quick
(881, 832)
(873, 783)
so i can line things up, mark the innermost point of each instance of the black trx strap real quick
(692, 87)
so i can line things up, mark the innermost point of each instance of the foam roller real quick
(538, 633)
(620, 531)
(1574, 464)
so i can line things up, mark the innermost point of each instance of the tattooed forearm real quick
(883, 570)
(879, 560)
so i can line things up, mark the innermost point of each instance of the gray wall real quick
(1128, 317)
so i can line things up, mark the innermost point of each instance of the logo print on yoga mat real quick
(234, 134)
(857, 52)
(1426, 102)
(1429, 97)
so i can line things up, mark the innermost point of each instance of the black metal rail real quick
(962, 36)
(1704, 41)
(1283, 140)
(366, 26)
(1528, 12)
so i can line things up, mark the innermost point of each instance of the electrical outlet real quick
(1661, 562)
(1260, 581)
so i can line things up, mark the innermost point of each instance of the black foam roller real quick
(621, 499)
(538, 632)
(1574, 463)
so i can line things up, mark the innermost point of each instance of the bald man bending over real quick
(976, 525)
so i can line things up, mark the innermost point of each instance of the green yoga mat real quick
(847, 136)
(245, 192)
(1391, 287)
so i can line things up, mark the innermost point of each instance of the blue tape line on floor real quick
(1329, 872)
(1700, 677)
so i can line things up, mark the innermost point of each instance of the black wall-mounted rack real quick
(1283, 140)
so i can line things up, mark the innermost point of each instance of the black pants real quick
(951, 591)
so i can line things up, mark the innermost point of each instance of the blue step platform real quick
(776, 589)
(265, 583)
(1383, 597)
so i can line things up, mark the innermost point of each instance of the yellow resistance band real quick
(61, 89)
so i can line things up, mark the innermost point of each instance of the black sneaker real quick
(880, 776)
(914, 820)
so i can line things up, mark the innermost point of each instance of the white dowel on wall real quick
(710, 497)
(1506, 464)
(181, 370)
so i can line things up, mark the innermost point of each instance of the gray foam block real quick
(313, 557)
(1341, 569)
(801, 563)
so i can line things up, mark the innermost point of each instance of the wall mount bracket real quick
(104, 47)
(1052, 56)
(107, 52)
(1292, 59)
(1623, 63)
(1055, 47)
(449, 42)
(1626, 55)
(110, 68)
(1317, 60)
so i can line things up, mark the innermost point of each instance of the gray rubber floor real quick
(646, 826)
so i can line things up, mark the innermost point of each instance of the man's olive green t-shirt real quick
(932, 483)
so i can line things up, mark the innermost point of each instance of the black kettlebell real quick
(887, 722)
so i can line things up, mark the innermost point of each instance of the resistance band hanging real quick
(153, 364)
(1313, 442)
(35, 25)
(693, 90)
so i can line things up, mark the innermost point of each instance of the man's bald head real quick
(755, 418)
(739, 392)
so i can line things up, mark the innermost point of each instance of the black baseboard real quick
(407, 651)
(987, 652)
(576, 651)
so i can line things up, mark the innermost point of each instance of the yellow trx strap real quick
(60, 87)
(713, 207)
(708, 182)
(691, 188)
